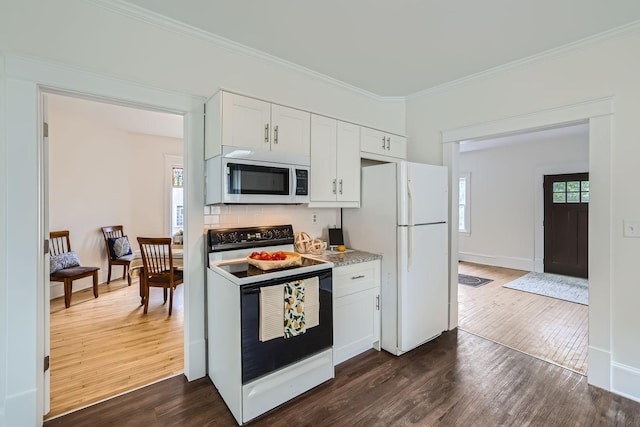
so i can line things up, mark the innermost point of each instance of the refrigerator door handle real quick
(410, 247)
(410, 197)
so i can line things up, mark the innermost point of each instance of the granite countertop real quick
(340, 259)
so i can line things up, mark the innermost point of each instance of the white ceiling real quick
(399, 47)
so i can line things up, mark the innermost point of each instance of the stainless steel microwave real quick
(241, 176)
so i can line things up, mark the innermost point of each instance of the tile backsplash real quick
(300, 216)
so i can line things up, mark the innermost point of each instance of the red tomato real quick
(265, 256)
(254, 255)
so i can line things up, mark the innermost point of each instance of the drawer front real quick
(354, 278)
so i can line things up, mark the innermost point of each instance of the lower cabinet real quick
(356, 309)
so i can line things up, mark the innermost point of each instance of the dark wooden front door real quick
(566, 224)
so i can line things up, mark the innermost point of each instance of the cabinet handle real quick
(360, 276)
(388, 143)
(266, 133)
(275, 134)
(334, 186)
(341, 186)
(378, 302)
(383, 142)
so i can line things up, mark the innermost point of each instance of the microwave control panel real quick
(302, 182)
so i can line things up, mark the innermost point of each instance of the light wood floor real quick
(547, 328)
(105, 346)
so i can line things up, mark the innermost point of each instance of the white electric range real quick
(251, 375)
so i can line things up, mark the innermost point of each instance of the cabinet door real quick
(355, 324)
(373, 141)
(397, 146)
(291, 131)
(348, 162)
(323, 185)
(245, 122)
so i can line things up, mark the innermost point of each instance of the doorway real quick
(599, 114)
(566, 224)
(503, 176)
(102, 347)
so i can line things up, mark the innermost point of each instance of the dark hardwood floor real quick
(458, 379)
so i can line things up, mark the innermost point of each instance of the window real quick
(177, 206)
(571, 192)
(464, 210)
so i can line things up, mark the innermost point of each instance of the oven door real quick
(263, 357)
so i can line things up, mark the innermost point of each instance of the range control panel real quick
(226, 239)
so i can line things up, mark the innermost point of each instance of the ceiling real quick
(399, 47)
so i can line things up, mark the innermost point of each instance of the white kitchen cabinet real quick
(290, 130)
(378, 145)
(245, 122)
(335, 163)
(356, 309)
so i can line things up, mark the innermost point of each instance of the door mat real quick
(572, 289)
(474, 281)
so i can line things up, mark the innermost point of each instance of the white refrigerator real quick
(403, 216)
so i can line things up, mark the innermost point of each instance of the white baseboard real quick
(21, 408)
(525, 264)
(599, 368)
(625, 381)
(195, 361)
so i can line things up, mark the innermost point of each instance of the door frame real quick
(25, 79)
(600, 115)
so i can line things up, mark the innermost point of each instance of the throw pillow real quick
(119, 246)
(62, 261)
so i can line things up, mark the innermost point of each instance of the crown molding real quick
(587, 41)
(129, 10)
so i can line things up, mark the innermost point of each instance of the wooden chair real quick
(116, 231)
(59, 243)
(158, 269)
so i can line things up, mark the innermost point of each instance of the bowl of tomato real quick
(272, 260)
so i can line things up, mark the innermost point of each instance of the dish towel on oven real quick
(294, 318)
(272, 308)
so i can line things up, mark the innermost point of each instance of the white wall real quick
(601, 69)
(300, 216)
(154, 66)
(503, 197)
(3, 247)
(100, 175)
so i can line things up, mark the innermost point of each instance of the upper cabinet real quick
(378, 145)
(245, 122)
(335, 163)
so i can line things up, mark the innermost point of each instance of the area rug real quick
(474, 281)
(573, 289)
